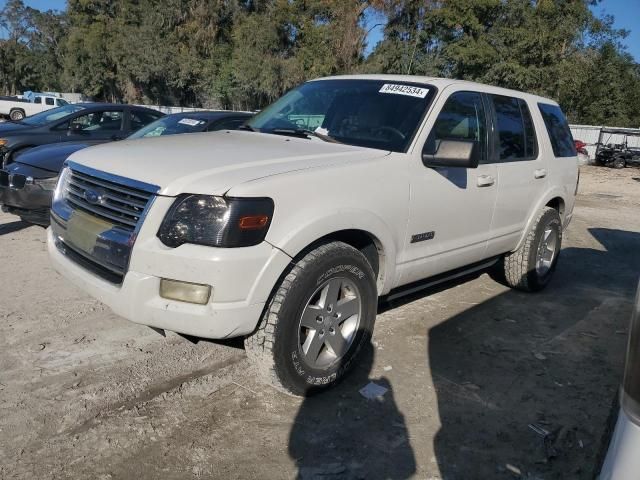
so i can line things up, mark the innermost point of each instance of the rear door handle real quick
(540, 173)
(485, 180)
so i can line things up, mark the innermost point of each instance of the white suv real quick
(340, 192)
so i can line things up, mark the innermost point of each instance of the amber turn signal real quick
(253, 222)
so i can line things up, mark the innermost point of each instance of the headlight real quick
(216, 221)
(47, 183)
(61, 186)
(3, 142)
(631, 385)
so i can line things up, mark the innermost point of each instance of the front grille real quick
(95, 218)
(118, 204)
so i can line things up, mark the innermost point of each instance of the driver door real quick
(451, 207)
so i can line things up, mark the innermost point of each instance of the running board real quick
(441, 278)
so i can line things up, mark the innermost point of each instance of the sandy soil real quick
(472, 369)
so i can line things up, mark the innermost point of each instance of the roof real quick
(441, 83)
(211, 114)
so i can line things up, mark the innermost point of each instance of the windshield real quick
(171, 125)
(52, 115)
(368, 113)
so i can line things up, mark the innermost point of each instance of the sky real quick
(626, 13)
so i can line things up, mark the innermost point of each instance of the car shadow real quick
(12, 227)
(339, 435)
(524, 381)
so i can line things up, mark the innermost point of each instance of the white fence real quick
(589, 134)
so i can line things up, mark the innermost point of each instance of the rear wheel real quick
(317, 321)
(531, 267)
(16, 115)
(619, 162)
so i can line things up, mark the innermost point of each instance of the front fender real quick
(300, 235)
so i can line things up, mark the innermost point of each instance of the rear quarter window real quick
(558, 130)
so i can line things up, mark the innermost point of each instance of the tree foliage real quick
(246, 53)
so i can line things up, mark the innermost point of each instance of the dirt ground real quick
(473, 370)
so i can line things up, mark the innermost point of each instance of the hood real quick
(30, 171)
(10, 127)
(212, 163)
(52, 156)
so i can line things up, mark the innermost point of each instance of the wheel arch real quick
(554, 199)
(364, 232)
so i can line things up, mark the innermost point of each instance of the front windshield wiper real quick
(303, 133)
(246, 127)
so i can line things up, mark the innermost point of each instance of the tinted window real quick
(558, 129)
(98, 121)
(367, 113)
(62, 102)
(141, 118)
(49, 101)
(228, 124)
(461, 118)
(516, 136)
(37, 100)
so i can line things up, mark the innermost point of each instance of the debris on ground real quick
(373, 391)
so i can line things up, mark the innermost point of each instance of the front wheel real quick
(531, 266)
(317, 320)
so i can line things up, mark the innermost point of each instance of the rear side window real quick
(37, 100)
(558, 129)
(140, 118)
(516, 135)
(49, 101)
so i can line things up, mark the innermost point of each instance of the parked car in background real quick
(18, 108)
(288, 230)
(27, 184)
(73, 122)
(618, 155)
(623, 457)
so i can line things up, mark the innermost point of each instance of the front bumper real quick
(623, 460)
(241, 279)
(31, 202)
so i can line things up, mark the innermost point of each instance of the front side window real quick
(516, 135)
(98, 121)
(52, 115)
(558, 129)
(462, 118)
(367, 113)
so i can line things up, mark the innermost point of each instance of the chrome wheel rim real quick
(547, 251)
(329, 322)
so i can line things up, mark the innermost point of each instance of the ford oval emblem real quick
(92, 196)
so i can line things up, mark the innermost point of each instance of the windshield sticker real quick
(322, 131)
(191, 122)
(404, 90)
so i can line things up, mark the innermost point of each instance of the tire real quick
(523, 269)
(16, 114)
(619, 162)
(277, 347)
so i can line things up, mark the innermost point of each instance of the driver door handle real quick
(540, 173)
(485, 180)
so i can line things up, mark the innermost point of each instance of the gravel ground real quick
(472, 369)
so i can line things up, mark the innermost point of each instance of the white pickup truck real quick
(344, 190)
(18, 108)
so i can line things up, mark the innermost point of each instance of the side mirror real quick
(75, 129)
(452, 153)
